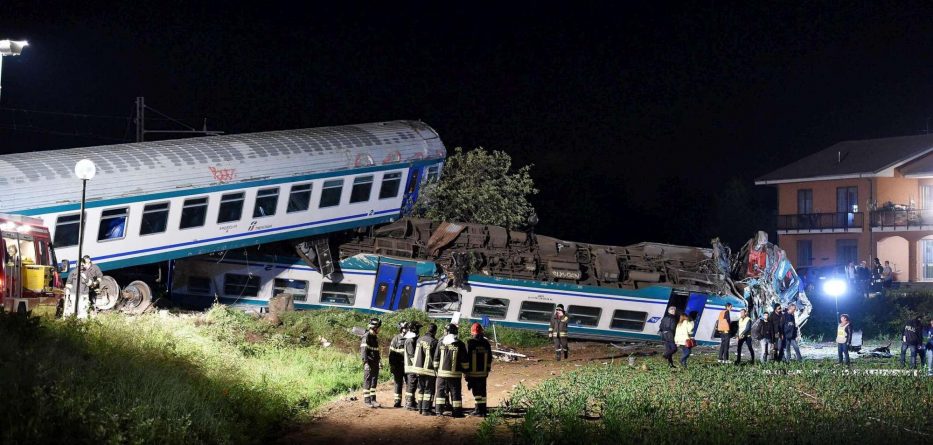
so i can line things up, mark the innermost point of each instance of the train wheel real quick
(108, 294)
(137, 297)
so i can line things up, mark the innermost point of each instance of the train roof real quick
(42, 179)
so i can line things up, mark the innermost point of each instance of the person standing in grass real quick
(450, 361)
(930, 349)
(397, 362)
(844, 338)
(480, 353)
(427, 375)
(683, 337)
(911, 340)
(777, 338)
(763, 331)
(745, 337)
(369, 352)
(666, 329)
(411, 371)
(789, 333)
(723, 326)
(558, 331)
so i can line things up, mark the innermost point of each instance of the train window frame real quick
(200, 290)
(185, 204)
(615, 317)
(431, 174)
(124, 213)
(570, 315)
(397, 179)
(148, 211)
(361, 183)
(252, 281)
(230, 199)
(477, 302)
(309, 189)
(435, 301)
(278, 289)
(336, 290)
(522, 310)
(76, 222)
(271, 193)
(406, 301)
(329, 186)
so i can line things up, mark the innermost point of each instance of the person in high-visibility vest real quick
(397, 362)
(369, 352)
(558, 331)
(450, 361)
(424, 365)
(723, 326)
(411, 372)
(480, 363)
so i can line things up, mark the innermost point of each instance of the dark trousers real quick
(398, 379)
(449, 392)
(746, 341)
(913, 355)
(561, 347)
(779, 350)
(724, 346)
(411, 383)
(370, 380)
(426, 388)
(478, 386)
(843, 350)
(685, 356)
(669, 350)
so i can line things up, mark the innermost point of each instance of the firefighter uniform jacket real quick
(397, 353)
(450, 358)
(423, 356)
(369, 348)
(411, 344)
(558, 327)
(480, 357)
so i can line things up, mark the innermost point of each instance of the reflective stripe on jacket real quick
(558, 327)
(369, 347)
(480, 357)
(410, 348)
(397, 351)
(450, 359)
(423, 361)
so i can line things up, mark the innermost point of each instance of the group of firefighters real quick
(430, 370)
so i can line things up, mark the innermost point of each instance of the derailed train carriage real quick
(512, 278)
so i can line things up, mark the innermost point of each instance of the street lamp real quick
(835, 288)
(85, 171)
(10, 48)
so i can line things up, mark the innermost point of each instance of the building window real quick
(494, 308)
(193, 213)
(805, 201)
(583, 315)
(362, 185)
(112, 224)
(231, 207)
(390, 185)
(846, 251)
(536, 311)
(926, 196)
(299, 199)
(66, 230)
(199, 285)
(804, 253)
(338, 293)
(236, 285)
(330, 193)
(298, 289)
(266, 201)
(155, 219)
(629, 320)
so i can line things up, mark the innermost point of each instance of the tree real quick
(479, 186)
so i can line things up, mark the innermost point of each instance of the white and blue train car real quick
(157, 201)
(380, 284)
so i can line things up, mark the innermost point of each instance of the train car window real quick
(66, 230)
(299, 199)
(443, 303)
(43, 254)
(193, 213)
(155, 219)
(381, 292)
(362, 186)
(434, 173)
(231, 207)
(199, 285)
(266, 202)
(330, 193)
(536, 311)
(338, 293)
(112, 224)
(405, 298)
(629, 320)
(494, 308)
(390, 185)
(236, 285)
(584, 315)
(298, 289)
(27, 251)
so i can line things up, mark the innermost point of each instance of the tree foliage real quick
(479, 186)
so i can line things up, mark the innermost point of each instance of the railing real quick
(816, 222)
(897, 218)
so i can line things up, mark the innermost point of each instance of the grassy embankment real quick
(816, 402)
(219, 377)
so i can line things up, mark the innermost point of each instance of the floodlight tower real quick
(10, 48)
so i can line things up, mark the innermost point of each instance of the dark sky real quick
(643, 121)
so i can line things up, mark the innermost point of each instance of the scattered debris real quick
(324, 342)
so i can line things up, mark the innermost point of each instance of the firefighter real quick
(480, 363)
(84, 294)
(558, 331)
(450, 361)
(369, 352)
(411, 372)
(397, 362)
(424, 366)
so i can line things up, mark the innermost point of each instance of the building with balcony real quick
(858, 200)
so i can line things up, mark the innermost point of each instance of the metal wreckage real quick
(759, 273)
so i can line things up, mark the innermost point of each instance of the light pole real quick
(835, 288)
(85, 171)
(10, 48)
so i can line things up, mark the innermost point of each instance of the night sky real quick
(643, 121)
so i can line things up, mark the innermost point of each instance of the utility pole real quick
(140, 121)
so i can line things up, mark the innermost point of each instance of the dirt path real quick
(350, 422)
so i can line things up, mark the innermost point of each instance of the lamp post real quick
(10, 48)
(835, 288)
(85, 171)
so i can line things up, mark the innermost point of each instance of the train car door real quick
(386, 280)
(411, 189)
(405, 288)
(695, 305)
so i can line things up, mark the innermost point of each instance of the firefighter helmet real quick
(374, 323)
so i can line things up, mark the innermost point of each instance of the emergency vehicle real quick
(28, 274)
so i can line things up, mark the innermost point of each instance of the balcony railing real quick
(817, 222)
(901, 219)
